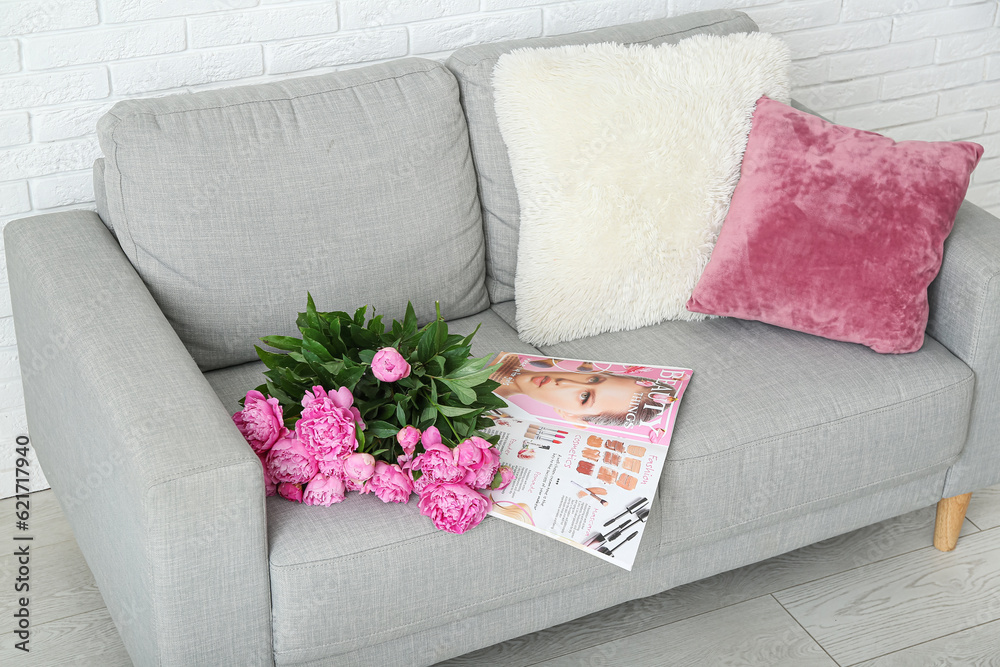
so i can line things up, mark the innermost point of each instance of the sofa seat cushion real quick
(355, 185)
(776, 422)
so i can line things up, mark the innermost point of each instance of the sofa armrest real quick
(165, 498)
(965, 318)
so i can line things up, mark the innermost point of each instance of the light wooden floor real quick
(881, 596)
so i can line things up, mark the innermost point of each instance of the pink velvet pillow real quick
(834, 231)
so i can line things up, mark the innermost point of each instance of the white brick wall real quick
(913, 69)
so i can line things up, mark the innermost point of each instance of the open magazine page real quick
(591, 491)
(638, 402)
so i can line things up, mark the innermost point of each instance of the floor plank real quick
(84, 639)
(893, 604)
(46, 522)
(984, 510)
(975, 647)
(61, 583)
(861, 547)
(756, 632)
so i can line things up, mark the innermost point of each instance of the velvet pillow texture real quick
(624, 159)
(834, 231)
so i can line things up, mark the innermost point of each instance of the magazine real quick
(622, 400)
(586, 441)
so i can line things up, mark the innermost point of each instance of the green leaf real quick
(351, 374)
(327, 379)
(440, 334)
(312, 319)
(400, 413)
(367, 356)
(287, 343)
(275, 392)
(463, 393)
(362, 337)
(427, 347)
(436, 365)
(381, 429)
(449, 411)
(274, 359)
(359, 315)
(428, 415)
(410, 319)
(316, 348)
(468, 339)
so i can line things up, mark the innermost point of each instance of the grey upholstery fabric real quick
(357, 186)
(164, 496)
(101, 195)
(778, 422)
(607, 586)
(965, 317)
(473, 66)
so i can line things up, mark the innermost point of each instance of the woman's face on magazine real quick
(579, 393)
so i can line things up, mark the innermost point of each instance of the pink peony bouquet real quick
(354, 406)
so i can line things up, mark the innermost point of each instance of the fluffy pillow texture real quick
(834, 231)
(625, 158)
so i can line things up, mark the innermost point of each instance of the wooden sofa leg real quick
(950, 515)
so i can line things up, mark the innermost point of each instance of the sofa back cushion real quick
(473, 67)
(357, 186)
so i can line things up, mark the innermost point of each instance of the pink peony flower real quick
(290, 461)
(388, 365)
(270, 486)
(331, 467)
(478, 456)
(453, 507)
(390, 483)
(290, 491)
(506, 477)
(328, 423)
(324, 490)
(430, 436)
(438, 463)
(408, 438)
(260, 421)
(359, 468)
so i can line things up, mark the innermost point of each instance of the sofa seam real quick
(979, 320)
(805, 429)
(217, 465)
(282, 99)
(943, 462)
(121, 192)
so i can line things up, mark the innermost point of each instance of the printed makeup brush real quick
(611, 551)
(595, 542)
(629, 509)
(640, 516)
(593, 495)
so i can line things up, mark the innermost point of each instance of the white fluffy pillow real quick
(625, 159)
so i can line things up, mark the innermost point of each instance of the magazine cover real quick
(588, 490)
(638, 402)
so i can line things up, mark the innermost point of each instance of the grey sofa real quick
(218, 210)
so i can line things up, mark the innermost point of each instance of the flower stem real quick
(450, 426)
